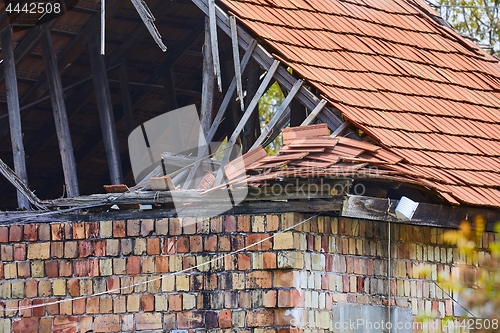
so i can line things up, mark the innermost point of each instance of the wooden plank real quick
(16, 133)
(312, 116)
(161, 183)
(220, 114)
(214, 42)
(236, 58)
(148, 19)
(380, 209)
(105, 108)
(60, 115)
(207, 94)
(340, 129)
(255, 100)
(103, 27)
(277, 116)
(126, 100)
(313, 206)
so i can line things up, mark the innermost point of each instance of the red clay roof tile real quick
(419, 89)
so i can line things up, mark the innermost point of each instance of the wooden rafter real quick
(60, 115)
(16, 134)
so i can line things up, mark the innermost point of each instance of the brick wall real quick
(137, 275)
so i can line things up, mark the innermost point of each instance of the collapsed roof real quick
(418, 88)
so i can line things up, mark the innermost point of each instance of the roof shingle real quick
(418, 88)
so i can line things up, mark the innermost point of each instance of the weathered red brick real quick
(133, 228)
(175, 302)
(16, 233)
(147, 227)
(269, 298)
(190, 319)
(73, 286)
(261, 244)
(25, 325)
(210, 243)
(230, 224)
(65, 324)
(183, 244)
(4, 234)
(113, 284)
(244, 223)
(19, 251)
(269, 260)
(225, 319)
(92, 230)
(119, 229)
(169, 246)
(57, 249)
(31, 288)
(65, 268)
(244, 261)
(79, 230)
(92, 306)
(51, 268)
(161, 264)
(25, 309)
(105, 304)
(51, 305)
(175, 227)
(94, 267)
(86, 248)
(81, 268)
(153, 246)
(110, 323)
(148, 321)
(79, 306)
(290, 298)
(23, 269)
(196, 243)
(100, 248)
(147, 302)
(39, 308)
(133, 265)
(259, 280)
(260, 318)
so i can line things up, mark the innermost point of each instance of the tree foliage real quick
(478, 279)
(478, 19)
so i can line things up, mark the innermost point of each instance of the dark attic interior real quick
(144, 82)
(74, 87)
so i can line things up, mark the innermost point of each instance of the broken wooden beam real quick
(16, 133)
(149, 19)
(60, 115)
(220, 114)
(251, 107)
(265, 59)
(207, 94)
(214, 43)
(314, 113)
(236, 60)
(274, 127)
